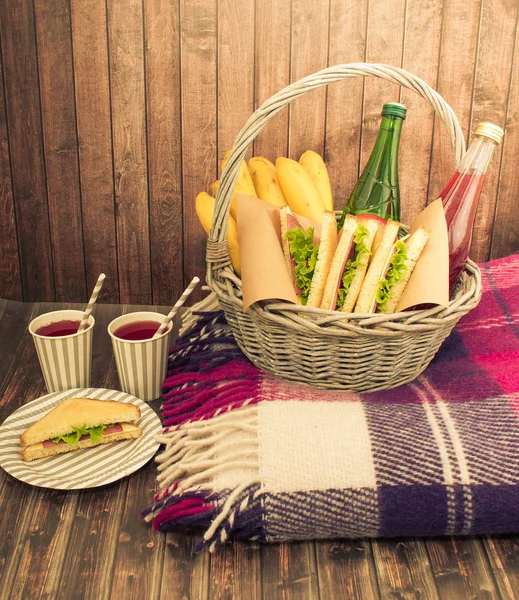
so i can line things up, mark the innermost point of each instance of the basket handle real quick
(217, 248)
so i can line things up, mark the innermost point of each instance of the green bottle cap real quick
(394, 109)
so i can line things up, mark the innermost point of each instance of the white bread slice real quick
(79, 412)
(354, 290)
(366, 301)
(38, 450)
(325, 255)
(340, 257)
(285, 244)
(415, 244)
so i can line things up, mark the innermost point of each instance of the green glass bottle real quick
(377, 191)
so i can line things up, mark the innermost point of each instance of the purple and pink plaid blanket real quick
(249, 456)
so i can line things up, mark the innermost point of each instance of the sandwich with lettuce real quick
(79, 423)
(390, 269)
(350, 262)
(308, 254)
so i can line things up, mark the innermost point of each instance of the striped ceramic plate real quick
(86, 468)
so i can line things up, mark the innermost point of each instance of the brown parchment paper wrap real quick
(265, 276)
(429, 282)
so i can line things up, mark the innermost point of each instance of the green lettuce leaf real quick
(395, 272)
(96, 433)
(361, 256)
(304, 254)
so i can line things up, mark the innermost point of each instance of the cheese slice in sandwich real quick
(349, 264)
(390, 270)
(79, 423)
(307, 256)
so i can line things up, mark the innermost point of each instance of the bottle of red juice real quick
(461, 196)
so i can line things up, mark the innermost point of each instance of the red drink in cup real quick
(138, 330)
(60, 328)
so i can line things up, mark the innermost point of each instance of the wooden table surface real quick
(92, 544)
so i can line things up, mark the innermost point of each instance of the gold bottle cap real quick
(489, 130)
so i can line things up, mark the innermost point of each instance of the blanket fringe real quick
(197, 453)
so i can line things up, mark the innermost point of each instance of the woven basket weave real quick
(316, 346)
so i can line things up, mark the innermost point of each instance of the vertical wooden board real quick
(346, 570)
(199, 168)
(139, 557)
(18, 499)
(505, 239)
(491, 89)
(385, 39)
(503, 553)
(309, 53)
(236, 572)
(403, 569)
(10, 277)
(421, 57)
(15, 318)
(18, 38)
(185, 574)
(92, 89)
(235, 69)
(126, 51)
(289, 571)
(60, 146)
(344, 101)
(459, 38)
(164, 148)
(272, 72)
(461, 568)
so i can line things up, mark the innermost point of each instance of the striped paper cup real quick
(65, 361)
(141, 364)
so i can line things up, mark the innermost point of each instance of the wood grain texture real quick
(385, 42)
(60, 146)
(199, 110)
(126, 50)
(235, 65)
(184, 574)
(403, 569)
(421, 57)
(10, 277)
(236, 572)
(344, 99)
(289, 571)
(164, 148)
(18, 500)
(93, 118)
(458, 52)
(309, 53)
(503, 554)
(491, 89)
(461, 568)
(272, 72)
(346, 569)
(505, 238)
(20, 69)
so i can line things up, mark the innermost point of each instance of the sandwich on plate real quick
(308, 256)
(390, 269)
(79, 423)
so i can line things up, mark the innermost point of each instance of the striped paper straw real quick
(92, 301)
(174, 310)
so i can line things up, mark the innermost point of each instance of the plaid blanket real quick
(250, 456)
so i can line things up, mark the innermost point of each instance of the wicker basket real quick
(315, 346)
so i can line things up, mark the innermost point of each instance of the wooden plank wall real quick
(114, 114)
